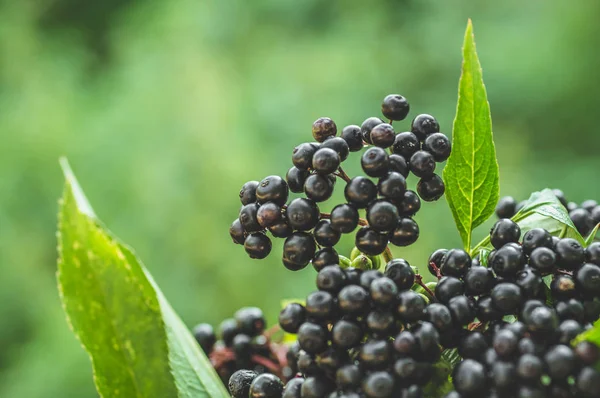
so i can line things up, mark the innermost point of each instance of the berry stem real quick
(564, 272)
(434, 267)
(267, 363)
(342, 174)
(387, 255)
(419, 281)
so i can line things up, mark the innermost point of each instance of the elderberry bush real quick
(382, 194)
(585, 216)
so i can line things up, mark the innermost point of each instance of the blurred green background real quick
(165, 108)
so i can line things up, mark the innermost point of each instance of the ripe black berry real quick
(395, 107)
(248, 192)
(228, 329)
(257, 245)
(447, 288)
(569, 253)
(473, 346)
(381, 322)
(375, 162)
(506, 297)
(505, 343)
(382, 216)
(383, 291)
(266, 385)
(588, 382)
(293, 388)
(438, 145)
(541, 320)
(323, 128)
(478, 280)
(410, 204)
(248, 217)
(344, 218)
(320, 305)
(331, 279)
(360, 191)
(504, 231)
(398, 164)
(588, 353)
(543, 260)
(324, 257)
(592, 253)
(375, 354)
(318, 187)
(298, 250)
(383, 135)
(325, 161)
(411, 306)
(295, 179)
(303, 154)
(378, 385)
(439, 315)
(316, 387)
(205, 336)
(431, 188)
(530, 282)
(424, 125)
(339, 145)
(568, 330)
(422, 164)
(346, 334)
(302, 214)
(312, 338)
(237, 233)
(281, 230)
(570, 309)
(456, 262)
(325, 234)
(401, 273)
(506, 207)
(353, 137)
(291, 317)
(368, 277)
(560, 361)
(486, 311)
(239, 383)
(462, 310)
(469, 378)
(370, 241)
(242, 346)
(582, 220)
(506, 261)
(353, 300)
(272, 189)
(348, 377)
(534, 238)
(269, 214)
(392, 186)
(367, 126)
(588, 279)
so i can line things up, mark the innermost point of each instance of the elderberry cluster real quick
(585, 216)
(388, 205)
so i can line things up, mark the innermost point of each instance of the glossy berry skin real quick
(395, 107)
(530, 282)
(228, 329)
(367, 126)
(541, 320)
(258, 245)
(392, 186)
(588, 382)
(383, 291)
(560, 361)
(312, 337)
(456, 262)
(410, 204)
(383, 135)
(506, 207)
(381, 322)
(248, 218)
(431, 188)
(447, 288)
(378, 385)
(248, 192)
(406, 232)
(587, 278)
(382, 216)
(281, 230)
(570, 253)
(469, 378)
(424, 125)
(237, 233)
(422, 164)
(360, 191)
(353, 137)
(473, 346)
(462, 310)
(353, 300)
(486, 311)
(506, 297)
(370, 242)
(534, 238)
(570, 309)
(324, 257)
(205, 336)
(398, 164)
(325, 235)
(406, 144)
(295, 179)
(302, 214)
(504, 231)
(375, 162)
(239, 383)
(505, 343)
(325, 161)
(291, 317)
(506, 261)
(582, 220)
(588, 353)
(250, 320)
(339, 145)
(302, 155)
(375, 354)
(320, 305)
(543, 260)
(439, 146)
(479, 280)
(435, 261)
(242, 346)
(269, 214)
(318, 187)
(344, 218)
(293, 388)
(331, 279)
(411, 306)
(272, 189)
(323, 128)
(439, 315)
(368, 277)
(346, 334)
(348, 377)
(298, 250)
(401, 273)
(592, 253)
(266, 385)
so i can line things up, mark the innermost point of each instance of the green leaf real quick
(441, 384)
(138, 346)
(471, 174)
(590, 238)
(542, 210)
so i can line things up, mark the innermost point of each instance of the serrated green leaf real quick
(441, 384)
(542, 210)
(471, 174)
(138, 345)
(590, 238)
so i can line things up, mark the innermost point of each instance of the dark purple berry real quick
(323, 128)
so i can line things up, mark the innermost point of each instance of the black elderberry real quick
(503, 375)
(237, 233)
(439, 315)
(438, 145)
(266, 385)
(228, 329)
(317, 386)
(505, 343)
(473, 346)
(382, 216)
(530, 282)
(530, 368)
(428, 338)
(506, 261)
(392, 186)
(435, 261)
(258, 245)
(413, 391)
(405, 343)
(462, 310)
(570, 253)
(298, 250)
(375, 354)
(367, 126)
(570, 309)
(568, 330)
(380, 322)
(293, 388)
(582, 220)
(398, 164)
(486, 311)
(424, 125)
(560, 361)
(307, 365)
(205, 336)
(588, 353)
(339, 145)
(242, 346)
(239, 383)
(248, 217)
(330, 360)
(405, 369)
(348, 377)
(543, 260)
(411, 306)
(353, 300)
(422, 164)
(331, 279)
(456, 262)
(312, 337)
(302, 214)
(323, 128)
(587, 278)
(248, 192)
(478, 280)
(595, 213)
(588, 382)
(320, 305)
(370, 242)
(375, 162)
(318, 187)
(383, 291)
(541, 320)
(562, 287)
(368, 277)
(269, 214)
(295, 179)
(506, 297)
(534, 238)
(395, 107)
(591, 310)
(431, 188)
(592, 253)
(506, 207)
(360, 191)
(272, 189)
(353, 137)
(325, 235)
(401, 273)
(281, 230)
(325, 161)
(250, 320)
(324, 257)
(303, 154)
(378, 385)
(469, 378)
(406, 144)
(410, 204)
(346, 334)
(291, 317)
(448, 287)
(344, 218)
(504, 231)
(383, 135)
(560, 195)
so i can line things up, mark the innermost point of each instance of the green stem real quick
(387, 255)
